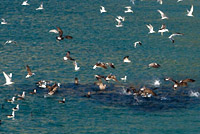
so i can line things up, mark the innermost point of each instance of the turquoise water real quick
(95, 38)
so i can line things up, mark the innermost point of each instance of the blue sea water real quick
(96, 38)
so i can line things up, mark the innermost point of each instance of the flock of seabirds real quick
(101, 80)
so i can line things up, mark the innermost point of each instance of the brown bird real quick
(111, 77)
(154, 65)
(181, 83)
(146, 92)
(67, 57)
(76, 81)
(62, 101)
(99, 77)
(60, 37)
(29, 72)
(34, 92)
(88, 95)
(111, 65)
(52, 89)
(100, 64)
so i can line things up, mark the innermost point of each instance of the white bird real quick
(102, 86)
(128, 9)
(54, 31)
(119, 24)
(150, 27)
(126, 59)
(25, 3)
(160, 1)
(163, 29)
(3, 21)
(40, 7)
(189, 13)
(12, 115)
(137, 42)
(156, 83)
(102, 10)
(175, 34)
(8, 78)
(124, 79)
(76, 68)
(179, 0)
(132, 1)
(121, 18)
(23, 95)
(9, 42)
(163, 16)
(16, 108)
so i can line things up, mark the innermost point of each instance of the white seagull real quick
(9, 42)
(137, 42)
(8, 78)
(76, 68)
(11, 116)
(175, 34)
(150, 27)
(179, 0)
(124, 79)
(163, 29)
(162, 15)
(53, 31)
(128, 9)
(189, 13)
(102, 10)
(126, 59)
(121, 18)
(160, 1)
(25, 3)
(40, 7)
(119, 24)
(16, 108)
(3, 21)
(23, 94)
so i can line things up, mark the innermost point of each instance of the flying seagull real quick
(102, 10)
(25, 3)
(150, 27)
(137, 42)
(8, 78)
(163, 29)
(163, 16)
(40, 7)
(189, 13)
(175, 34)
(128, 9)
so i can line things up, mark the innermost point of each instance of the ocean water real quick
(96, 38)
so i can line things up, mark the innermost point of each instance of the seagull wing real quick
(191, 10)
(28, 70)
(8, 78)
(60, 31)
(188, 80)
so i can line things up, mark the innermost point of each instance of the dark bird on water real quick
(76, 81)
